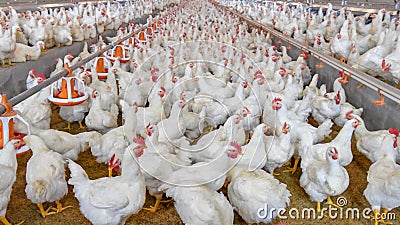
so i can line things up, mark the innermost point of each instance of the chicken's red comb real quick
(283, 69)
(277, 100)
(41, 76)
(162, 89)
(258, 72)
(148, 125)
(259, 76)
(394, 131)
(139, 140)
(348, 114)
(341, 73)
(383, 63)
(111, 162)
(236, 145)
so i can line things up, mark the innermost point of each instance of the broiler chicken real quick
(174, 127)
(324, 108)
(250, 191)
(111, 200)
(8, 172)
(157, 163)
(278, 149)
(254, 155)
(36, 109)
(25, 53)
(45, 176)
(210, 173)
(382, 191)
(8, 44)
(342, 143)
(200, 205)
(99, 119)
(66, 144)
(116, 140)
(324, 178)
(370, 143)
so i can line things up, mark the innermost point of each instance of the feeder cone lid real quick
(9, 110)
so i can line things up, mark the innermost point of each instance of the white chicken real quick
(111, 200)
(210, 173)
(279, 149)
(324, 108)
(99, 119)
(45, 176)
(211, 207)
(36, 109)
(370, 143)
(174, 127)
(325, 178)
(383, 182)
(250, 191)
(8, 172)
(25, 53)
(254, 156)
(116, 140)
(342, 143)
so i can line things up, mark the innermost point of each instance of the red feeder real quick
(68, 91)
(7, 126)
(119, 51)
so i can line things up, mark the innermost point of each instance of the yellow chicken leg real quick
(3, 63)
(330, 202)
(60, 208)
(378, 217)
(68, 126)
(274, 174)
(294, 168)
(154, 208)
(5, 221)
(81, 126)
(318, 207)
(43, 212)
(10, 63)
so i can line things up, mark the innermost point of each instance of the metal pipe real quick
(384, 88)
(26, 94)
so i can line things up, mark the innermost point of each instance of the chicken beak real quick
(335, 156)
(284, 130)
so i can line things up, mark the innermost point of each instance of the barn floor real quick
(20, 208)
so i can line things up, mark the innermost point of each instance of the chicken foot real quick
(377, 217)
(275, 174)
(43, 212)
(5, 221)
(68, 126)
(154, 208)
(3, 63)
(81, 126)
(59, 207)
(10, 63)
(159, 200)
(330, 202)
(294, 168)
